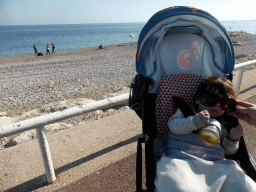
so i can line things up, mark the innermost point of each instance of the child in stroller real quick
(199, 158)
(213, 98)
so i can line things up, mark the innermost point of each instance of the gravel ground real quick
(33, 86)
(29, 82)
(244, 45)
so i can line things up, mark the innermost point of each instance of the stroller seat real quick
(183, 85)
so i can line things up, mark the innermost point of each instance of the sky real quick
(38, 12)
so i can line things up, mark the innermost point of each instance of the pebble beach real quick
(36, 85)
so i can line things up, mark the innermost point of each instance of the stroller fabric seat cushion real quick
(184, 85)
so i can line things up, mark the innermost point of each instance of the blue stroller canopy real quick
(181, 40)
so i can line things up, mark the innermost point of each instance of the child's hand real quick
(205, 116)
(236, 133)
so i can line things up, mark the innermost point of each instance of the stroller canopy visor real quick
(183, 40)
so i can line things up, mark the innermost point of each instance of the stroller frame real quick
(143, 97)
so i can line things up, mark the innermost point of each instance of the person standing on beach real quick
(34, 46)
(47, 49)
(53, 47)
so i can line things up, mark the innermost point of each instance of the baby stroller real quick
(177, 48)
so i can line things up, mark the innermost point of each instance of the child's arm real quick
(180, 125)
(231, 141)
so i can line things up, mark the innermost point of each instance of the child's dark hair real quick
(222, 85)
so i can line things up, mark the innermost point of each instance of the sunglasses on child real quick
(210, 99)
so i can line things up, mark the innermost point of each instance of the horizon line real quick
(99, 23)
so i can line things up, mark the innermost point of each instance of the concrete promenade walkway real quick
(96, 156)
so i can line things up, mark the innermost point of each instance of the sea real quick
(19, 39)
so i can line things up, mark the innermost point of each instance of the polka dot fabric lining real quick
(184, 85)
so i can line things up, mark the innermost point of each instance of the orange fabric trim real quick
(193, 9)
(163, 9)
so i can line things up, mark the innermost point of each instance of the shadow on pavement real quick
(248, 89)
(119, 176)
(40, 181)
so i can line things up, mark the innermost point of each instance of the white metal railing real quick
(38, 123)
(241, 67)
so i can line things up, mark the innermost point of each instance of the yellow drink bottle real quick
(211, 131)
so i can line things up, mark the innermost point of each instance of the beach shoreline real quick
(86, 52)
(36, 85)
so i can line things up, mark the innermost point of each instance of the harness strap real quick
(180, 103)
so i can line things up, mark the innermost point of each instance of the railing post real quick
(239, 80)
(46, 155)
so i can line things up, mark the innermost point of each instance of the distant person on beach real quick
(34, 46)
(40, 54)
(53, 48)
(101, 46)
(48, 49)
